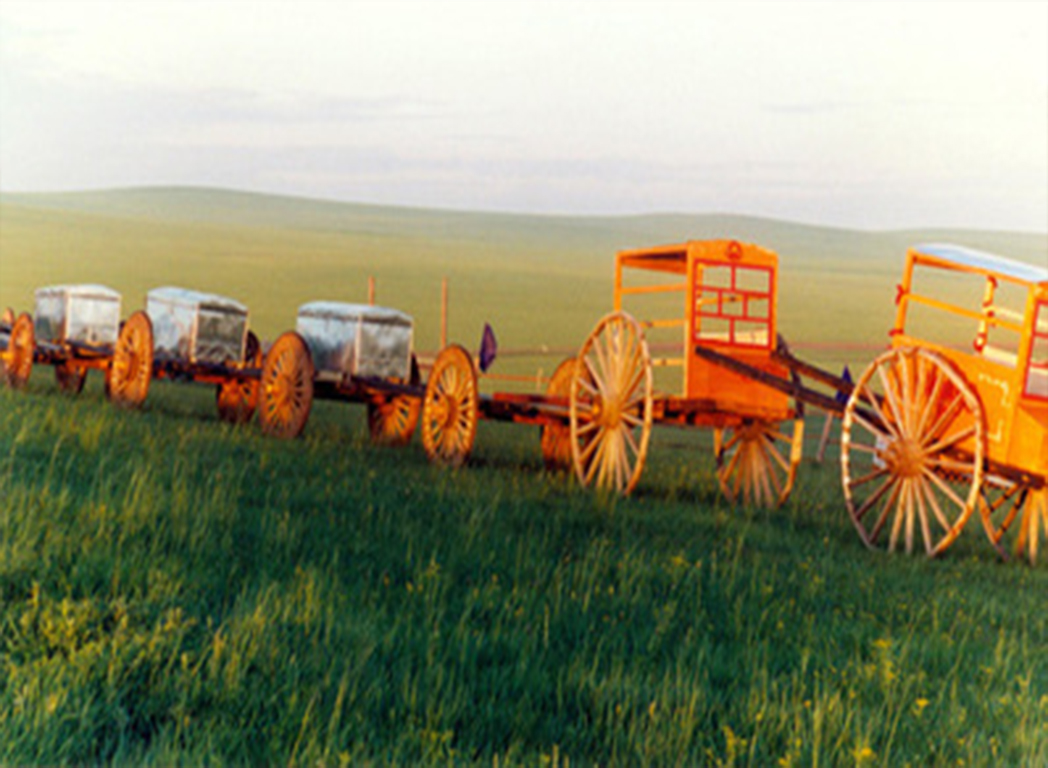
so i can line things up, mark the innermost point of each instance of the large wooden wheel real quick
(70, 377)
(451, 408)
(131, 369)
(392, 418)
(912, 446)
(18, 360)
(610, 405)
(286, 392)
(757, 461)
(1001, 503)
(237, 397)
(556, 436)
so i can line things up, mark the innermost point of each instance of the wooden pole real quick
(371, 290)
(444, 313)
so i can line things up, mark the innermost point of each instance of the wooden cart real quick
(600, 406)
(933, 429)
(190, 336)
(348, 352)
(75, 328)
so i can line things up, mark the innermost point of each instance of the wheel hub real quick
(905, 457)
(448, 413)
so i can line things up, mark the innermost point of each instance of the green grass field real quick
(178, 592)
(175, 591)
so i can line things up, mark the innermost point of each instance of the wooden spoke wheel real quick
(237, 397)
(912, 447)
(757, 461)
(70, 377)
(131, 369)
(610, 405)
(286, 392)
(1002, 503)
(451, 408)
(392, 418)
(556, 436)
(1035, 516)
(18, 360)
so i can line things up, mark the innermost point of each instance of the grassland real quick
(174, 591)
(178, 592)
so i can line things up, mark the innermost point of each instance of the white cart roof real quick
(337, 310)
(87, 290)
(969, 257)
(189, 298)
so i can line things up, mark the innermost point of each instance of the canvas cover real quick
(357, 339)
(197, 327)
(88, 314)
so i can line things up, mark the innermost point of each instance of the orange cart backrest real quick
(1011, 380)
(730, 304)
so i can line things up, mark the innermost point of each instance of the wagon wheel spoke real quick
(18, 359)
(893, 404)
(946, 416)
(237, 398)
(131, 369)
(286, 388)
(610, 405)
(933, 502)
(555, 435)
(952, 440)
(1004, 503)
(759, 460)
(1034, 521)
(450, 408)
(937, 414)
(886, 509)
(902, 514)
(874, 497)
(70, 377)
(392, 420)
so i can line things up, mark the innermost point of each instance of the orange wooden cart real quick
(599, 409)
(934, 430)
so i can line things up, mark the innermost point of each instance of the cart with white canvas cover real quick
(188, 335)
(75, 328)
(349, 352)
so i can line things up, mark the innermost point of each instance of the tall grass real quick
(175, 591)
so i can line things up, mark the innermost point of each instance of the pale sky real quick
(874, 115)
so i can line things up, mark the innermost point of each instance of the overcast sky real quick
(872, 115)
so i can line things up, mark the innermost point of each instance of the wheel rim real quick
(70, 377)
(757, 462)
(610, 405)
(556, 435)
(18, 362)
(286, 390)
(451, 408)
(132, 367)
(912, 446)
(392, 419)
(237, 398)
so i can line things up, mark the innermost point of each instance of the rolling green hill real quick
(536, 279)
